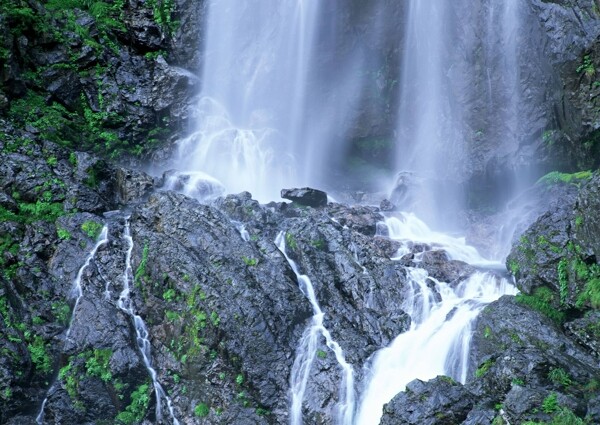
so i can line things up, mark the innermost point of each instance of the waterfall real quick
(77, 293)
(307, 349)
(77, 288)
(438, 340)
(142, 334)
(273, 106)
(459, 96)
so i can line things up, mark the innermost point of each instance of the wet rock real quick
(439, 401)
(306, 196)
(132, 186)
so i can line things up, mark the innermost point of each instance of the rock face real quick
(220, 302)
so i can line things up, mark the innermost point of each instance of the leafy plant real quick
(39, 354)
(550, 403)
(97, 364)
(135, 411)
(92, 229)
(63, 234)
(201, 410)
(290, 241)
(560, 377)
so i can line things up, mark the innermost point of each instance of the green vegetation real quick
(550, 403)
(485, 366)
(542, 300)
(169, 295)
(141, 274)
(239, 379)
(90, 123)
(321, 354)
(63, 234)
(563, 280)
(487, 332)
(556, 177)
(92, 229)
(97, 364)
(250, 262)
(135, 411)
(38, 350)
(587, 67)
(290, 241)
(188, 340)
(560, 377)
(61, 312)
(201, 410)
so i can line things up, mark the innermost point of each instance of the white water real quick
(77, 293)
(141, 330)
(273, 103)
(438, 340)
(40, 417)
(456, 54)
(306, 352)
(77, 288)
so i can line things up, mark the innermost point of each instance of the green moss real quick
(542, 300)
(92, 229)
(483, 368)
(556, 177)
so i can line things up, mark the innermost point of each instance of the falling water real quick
(77, 293)
(141, 330)
(40, 417)
(307, 350)
(273, 105)
(77, 289)
(459, 97)
(438, 340)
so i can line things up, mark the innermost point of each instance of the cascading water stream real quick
(306, 352)
(438, 340)
(142, 334)
(77, 293)
(77, 290)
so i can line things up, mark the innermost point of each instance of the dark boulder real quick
(440, 401)
(306, 197)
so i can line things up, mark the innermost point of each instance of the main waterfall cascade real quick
(459, 92)
(274, 113)
(270, 112)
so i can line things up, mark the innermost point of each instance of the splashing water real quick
(141, 330)
(307, 350)
(438, 340)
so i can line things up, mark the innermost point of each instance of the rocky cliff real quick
(214, 311)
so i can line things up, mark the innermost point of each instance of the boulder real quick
(306, 197)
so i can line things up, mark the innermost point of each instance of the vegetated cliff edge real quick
(224, 314)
